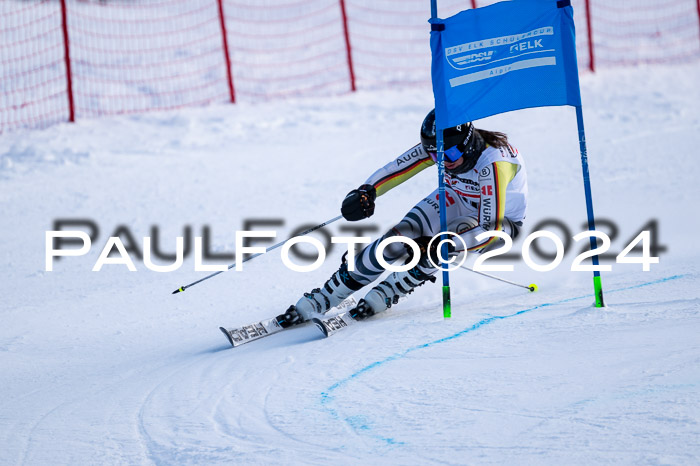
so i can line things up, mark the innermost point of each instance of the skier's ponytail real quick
(494, 138)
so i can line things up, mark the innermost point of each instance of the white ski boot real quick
(388, 292)
(321, 300)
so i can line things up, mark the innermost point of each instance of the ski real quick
(238, 336)
(251, 332)
(332, 325)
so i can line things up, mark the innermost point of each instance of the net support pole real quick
(227, 54)
(348, 48)
(69, 73)
(589, 29)
(597, 284)
(446, 301)
(698, 4)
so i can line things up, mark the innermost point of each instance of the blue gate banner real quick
(506, 56)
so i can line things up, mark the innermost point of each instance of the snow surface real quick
(110, 368)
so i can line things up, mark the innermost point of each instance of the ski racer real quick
(485, 189)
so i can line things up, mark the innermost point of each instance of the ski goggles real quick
(452, 154)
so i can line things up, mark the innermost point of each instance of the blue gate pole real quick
(446, 304)
(597, 284)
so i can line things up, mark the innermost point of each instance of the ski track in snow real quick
(327, 396)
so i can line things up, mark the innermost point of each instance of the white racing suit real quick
(491, 196)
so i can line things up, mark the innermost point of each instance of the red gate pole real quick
(474, 4)
(69, 74)
(589, 23)
(227, 56)
(347, 44)
(698, 1)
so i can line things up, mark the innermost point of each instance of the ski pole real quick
(532, 287)
(303, 233)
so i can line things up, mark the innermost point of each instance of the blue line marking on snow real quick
(359, 423)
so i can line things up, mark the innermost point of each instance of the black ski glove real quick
(359, 203)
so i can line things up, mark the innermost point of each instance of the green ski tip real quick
(182, 288)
